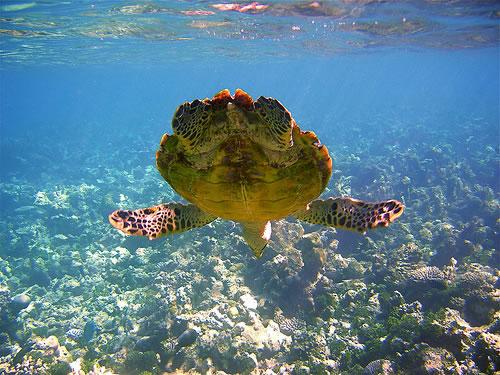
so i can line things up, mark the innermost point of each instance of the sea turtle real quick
(247, 161)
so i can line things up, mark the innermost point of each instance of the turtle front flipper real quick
(257, 236)
(190, 123)
(201, 125)
(161, 220)
(277, 132)
(351, 214)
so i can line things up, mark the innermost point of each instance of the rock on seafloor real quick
(249, 302)
(20, 302)
(188, 337)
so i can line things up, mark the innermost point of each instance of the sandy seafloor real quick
(78, 141)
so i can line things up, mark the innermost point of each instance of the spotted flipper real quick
(277, 134)
(190, 123)
(257, 236)
(351, 214)
(201, 125)
(161, 220)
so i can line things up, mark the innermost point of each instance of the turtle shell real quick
(241, 159)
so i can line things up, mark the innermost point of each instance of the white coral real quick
(57, 199)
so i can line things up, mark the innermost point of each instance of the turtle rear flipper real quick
(257, 236)
(161, 220)
(351, 214)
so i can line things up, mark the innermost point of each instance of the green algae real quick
(61, 368)
(141, 362)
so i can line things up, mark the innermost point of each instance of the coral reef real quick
(421, 297)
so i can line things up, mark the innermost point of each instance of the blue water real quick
(407, 112)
